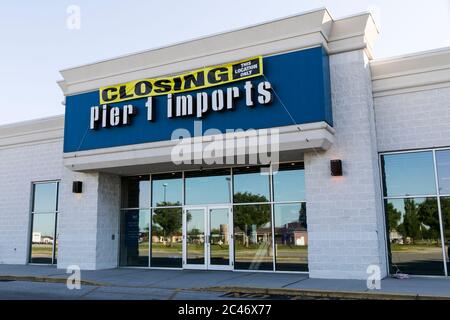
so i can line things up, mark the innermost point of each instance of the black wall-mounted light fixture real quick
(336, 168)
(77, 187)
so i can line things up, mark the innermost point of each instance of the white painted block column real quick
(345, 220)
(89, 222)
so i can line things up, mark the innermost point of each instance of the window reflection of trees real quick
(287, 231)
(166, 239)
(167, 223)
(415, 236)
(445, 211)
(419, 223)
(253, 237)
(253, 233)
(445, 205)
(249, 218)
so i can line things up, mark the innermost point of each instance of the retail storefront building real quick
(283, 146)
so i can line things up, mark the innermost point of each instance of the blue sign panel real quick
(132, 229)
(298, 82)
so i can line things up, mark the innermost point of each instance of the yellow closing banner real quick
(194, 80)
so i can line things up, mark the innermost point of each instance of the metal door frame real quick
(207, 249)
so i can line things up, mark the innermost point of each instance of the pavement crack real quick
(290, 284)
(172, 296)
(87, 293)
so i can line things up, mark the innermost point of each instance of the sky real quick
(36, 41)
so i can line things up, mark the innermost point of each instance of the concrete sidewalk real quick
(240, 282)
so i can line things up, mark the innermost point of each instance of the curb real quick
(49, 280)
(260, 291)
(325, 294)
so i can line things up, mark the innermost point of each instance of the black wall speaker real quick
(77, 187)
(336, 168)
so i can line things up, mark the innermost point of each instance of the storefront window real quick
(45, 197)
(253, 237)
(445, 209)
(207, 187)
(291, 237)
(414, 223)
(135, 228)
(289, 182)
(409, 174)
(415, 238)
(443, 169)
(154, 236)
(167, 238)
(136, 192)
(43, 231)
(251, 185)
(43, 238)
(167, 190)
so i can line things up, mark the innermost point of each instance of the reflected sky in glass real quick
(144, 194)
(167, 191)
(286, 214)
(443, 169)
(208, 189)
(409, 174)
(44, 223)
(218, 218)
(253, 183)
(289, 185)
(45, 197)
(196, 221)
(144, 220)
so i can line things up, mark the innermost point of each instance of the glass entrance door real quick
(207, 240)
(194, 238)
(219, 238)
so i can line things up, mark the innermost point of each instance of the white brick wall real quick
(88, 221)
(345, 222)
(78, 221)
(413, 120)
(108, 221)
(19, 167)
